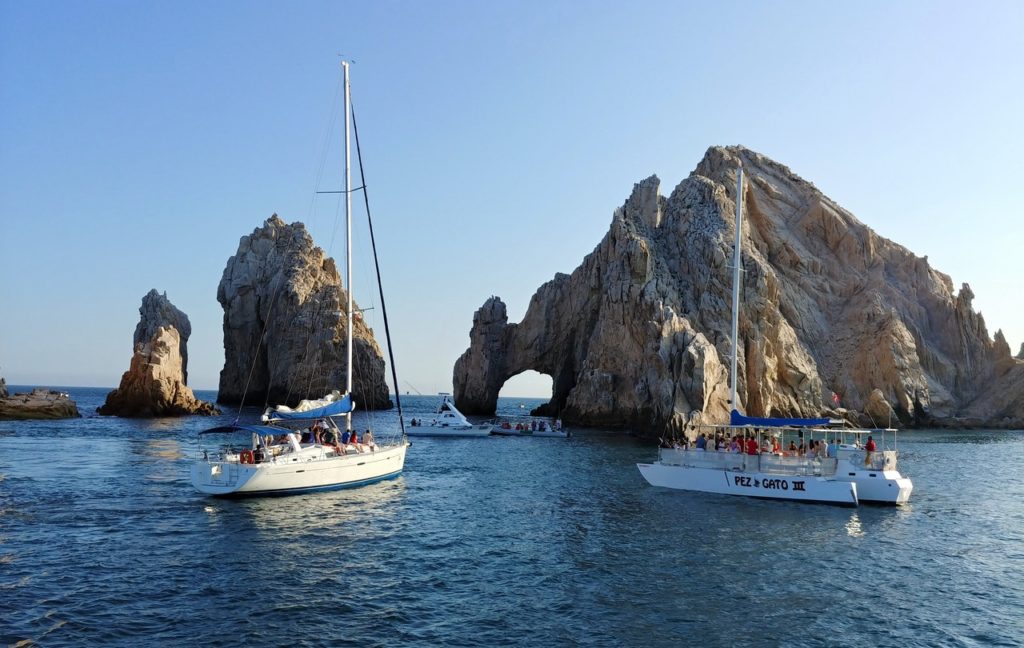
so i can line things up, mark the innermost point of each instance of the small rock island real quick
(155, 383)
(40, 403)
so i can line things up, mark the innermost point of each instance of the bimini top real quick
(738, 419)
(333, 404)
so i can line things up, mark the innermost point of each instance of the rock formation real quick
(154, 384)
(285, 324)
(40, 403)
(157, 311)
(639, 334)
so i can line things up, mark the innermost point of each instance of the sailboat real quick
(850, 470)
(304, 449)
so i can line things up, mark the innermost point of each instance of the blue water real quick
(494, 542)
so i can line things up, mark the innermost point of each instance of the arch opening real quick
(526, 392)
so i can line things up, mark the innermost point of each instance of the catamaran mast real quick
(736, 258)
(348, 243)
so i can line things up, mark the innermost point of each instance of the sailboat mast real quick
(348, 241)
(736, 259)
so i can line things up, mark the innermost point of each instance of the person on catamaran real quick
(869, 449)
(751, 445)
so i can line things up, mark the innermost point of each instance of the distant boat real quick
(447, 421)
(300, 450)
(850, 473)
(535, 427)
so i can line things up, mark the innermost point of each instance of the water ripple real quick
(494, 542)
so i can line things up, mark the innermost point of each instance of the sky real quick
(140, 140)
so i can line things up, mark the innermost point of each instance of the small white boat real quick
(847, 475)
(447, 422)
(529, 427)
(274, 460)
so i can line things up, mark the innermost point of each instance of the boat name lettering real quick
(798, 486)
(775, 484)
(743, 481)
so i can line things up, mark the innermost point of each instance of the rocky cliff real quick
(154, 384)
(285, 324)
(639, 334)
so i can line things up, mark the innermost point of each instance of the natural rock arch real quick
(639, 334)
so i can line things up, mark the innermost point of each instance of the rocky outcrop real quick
(285, 324)
(157, 311)
(154, 384)
(40, 403)
(639, 334)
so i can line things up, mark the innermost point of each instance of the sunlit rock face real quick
(156, 311)
(285, 325)
(153, 386)
(638, 335)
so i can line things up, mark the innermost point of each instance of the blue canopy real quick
(342, 406)
(738, 419)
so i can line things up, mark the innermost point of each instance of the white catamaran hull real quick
(803, 488)
(449, 430)
(299, 474)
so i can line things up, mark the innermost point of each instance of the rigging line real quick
(256, 356)
(329, 131)
(380, 284)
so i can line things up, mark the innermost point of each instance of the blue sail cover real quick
(338, 407)
(738, 419)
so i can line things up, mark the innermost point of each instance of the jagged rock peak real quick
(285, 325)
(1020, 354)
(639, 334)
(154, 384)
(157, 311)
(3, 388)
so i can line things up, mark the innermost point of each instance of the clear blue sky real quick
(140, 140)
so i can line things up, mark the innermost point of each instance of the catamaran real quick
(850, 468)
(301, 450)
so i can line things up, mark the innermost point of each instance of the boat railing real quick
(879, 460)
(766, 463)
(785, 465)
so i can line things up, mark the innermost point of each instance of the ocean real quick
(496, 541)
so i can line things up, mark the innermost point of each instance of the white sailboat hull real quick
(303, 472)
(802, 488)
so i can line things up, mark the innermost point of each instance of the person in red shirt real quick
(751, 445)
(869, 448)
